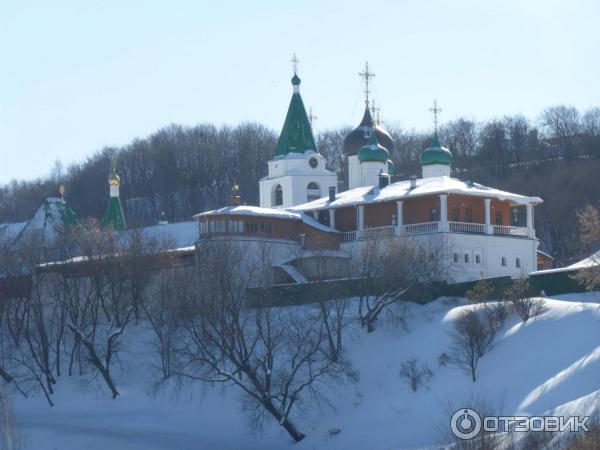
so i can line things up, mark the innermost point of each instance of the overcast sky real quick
(77, 76)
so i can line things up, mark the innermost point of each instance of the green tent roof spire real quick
(296, 135)
(114, 217)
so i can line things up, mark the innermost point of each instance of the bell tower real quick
(297, 172)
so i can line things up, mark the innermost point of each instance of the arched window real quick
(277, 196)
(313, 192)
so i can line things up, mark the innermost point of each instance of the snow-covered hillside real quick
(549, 364)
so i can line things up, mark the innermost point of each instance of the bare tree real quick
(165, 311)
(471, 339)
(388, 268)
(524, 302)
(589, 222)
(415, 373)
(276, 356)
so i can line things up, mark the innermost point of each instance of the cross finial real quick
(435, 110)
(375, 111)
(311, 117)
(114, 164)
(295, 62)
(367, 75)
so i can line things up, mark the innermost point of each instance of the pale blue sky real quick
(76, 76)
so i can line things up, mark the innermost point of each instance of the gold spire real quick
(234, 198)
(61, 190)
(114, 179)
(435, 110)
(367, 75)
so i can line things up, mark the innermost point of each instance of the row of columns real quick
(444, 225)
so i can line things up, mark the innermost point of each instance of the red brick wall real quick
(345, 219)
(379, 214)
(418, 210)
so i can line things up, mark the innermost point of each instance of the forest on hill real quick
(185, 170)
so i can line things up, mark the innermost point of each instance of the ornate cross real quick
(295, 62)
(435, 110)
(367, 75)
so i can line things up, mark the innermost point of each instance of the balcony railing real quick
(347, 236)
(466, 227)
(418, 228)
(431, 227)
(507, 230)
(376, 232)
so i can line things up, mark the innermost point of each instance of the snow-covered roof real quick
(244, 210)
(590, 261)
(257, 211)
(181, 234)
(401, 191)
(10, 230)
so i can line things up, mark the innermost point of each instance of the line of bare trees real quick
(184, 170)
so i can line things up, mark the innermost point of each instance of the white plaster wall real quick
(294, 174)
(490, 248)
(436, 170)
(370, 172)
(354, 174)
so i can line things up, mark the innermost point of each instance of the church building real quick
(482, 232)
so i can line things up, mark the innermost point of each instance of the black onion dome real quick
(359, 137)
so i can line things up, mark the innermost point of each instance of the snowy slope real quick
(549, 364)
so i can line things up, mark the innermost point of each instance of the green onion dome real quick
(436, 154)
(295, 80)
(373, 151)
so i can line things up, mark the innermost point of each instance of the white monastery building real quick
(483, 232)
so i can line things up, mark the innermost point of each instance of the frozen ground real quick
(550, 364)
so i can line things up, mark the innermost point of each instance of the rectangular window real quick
(504, 261)
(251, 228)
(468, 215)
(455, 215)
(518, 262)
(456, 257)
(466, 258)
(499, 218)
(477, 259)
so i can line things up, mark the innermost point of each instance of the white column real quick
(444, 211)
(488, 225)
(332, 218)
(360, 226)
(399, 217)
(315, 215)
(530, 230)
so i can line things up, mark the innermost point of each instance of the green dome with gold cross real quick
(436, 154)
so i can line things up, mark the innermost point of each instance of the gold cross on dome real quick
(367, 75)
(435, 110)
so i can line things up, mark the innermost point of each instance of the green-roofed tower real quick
(114, 217)
(297, 173)
(296, 135)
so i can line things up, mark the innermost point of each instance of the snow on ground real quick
(549, 364)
